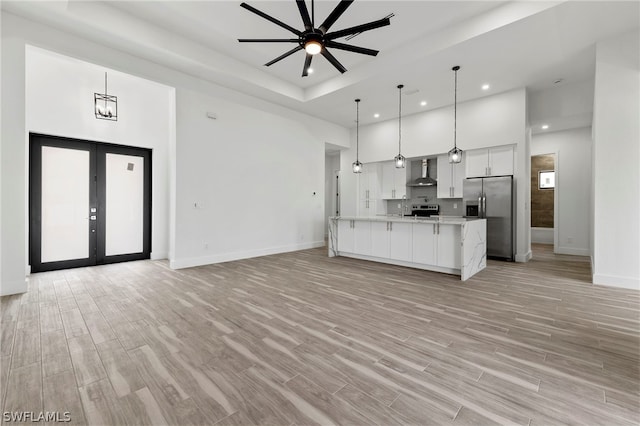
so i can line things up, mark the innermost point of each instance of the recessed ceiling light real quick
(310, 70)
(485, 87)
(545, 126)
(423, 103)
(376, 115)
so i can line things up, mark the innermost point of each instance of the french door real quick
(89, 203)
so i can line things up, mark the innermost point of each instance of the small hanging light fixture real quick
(399, 159)
(357, 165)
(455, 155)
(105, 106)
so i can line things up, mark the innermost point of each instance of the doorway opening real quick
(543, 188)
(89, 203)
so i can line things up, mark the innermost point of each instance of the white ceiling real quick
(504, 43)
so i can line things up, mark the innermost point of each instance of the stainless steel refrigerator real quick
(492, 198)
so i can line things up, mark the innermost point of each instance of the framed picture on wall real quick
(546, 179)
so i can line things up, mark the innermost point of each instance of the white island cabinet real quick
(454, 246)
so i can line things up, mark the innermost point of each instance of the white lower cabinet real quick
(380, 239)
(346, 235)
(425, 243)
(449, 246)
(400, 237)
(362, 237)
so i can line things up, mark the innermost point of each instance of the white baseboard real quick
(542, 235)
(13, 287)
(523, 258)
(228, 257)
(159, 255)
(615, 281)
(573, 251)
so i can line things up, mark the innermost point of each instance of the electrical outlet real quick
(455, 205)
(399, 205)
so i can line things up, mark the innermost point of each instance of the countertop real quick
(453, 220)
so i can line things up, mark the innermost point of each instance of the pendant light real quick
(105, 105)
(399, 159)
(455, 155)
(357, 165)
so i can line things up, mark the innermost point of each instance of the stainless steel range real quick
(424, 210)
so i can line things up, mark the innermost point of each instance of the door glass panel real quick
(65, 204)
(124, 204)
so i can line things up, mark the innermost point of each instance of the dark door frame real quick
(97, 195)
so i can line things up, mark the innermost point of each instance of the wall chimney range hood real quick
(424, 180)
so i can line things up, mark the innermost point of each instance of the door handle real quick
(484, 206)
(438, 228)
(390, 226)
(434, 229)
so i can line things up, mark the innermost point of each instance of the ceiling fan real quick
(316, 40)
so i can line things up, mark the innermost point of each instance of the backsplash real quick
(427, 195)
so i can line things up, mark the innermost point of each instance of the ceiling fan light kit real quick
(315, 40)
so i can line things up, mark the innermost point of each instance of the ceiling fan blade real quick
(270, 18)
(268, 40)
(307, 64)
(284, 55)
(334, 15)
(358, 29)
(350, 48)
(304, 13)
(333, 60)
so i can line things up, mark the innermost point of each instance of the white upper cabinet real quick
(496, 161)
(369, 191)
(450, 177)
(394, 181)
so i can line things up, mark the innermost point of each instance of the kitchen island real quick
(451, 245)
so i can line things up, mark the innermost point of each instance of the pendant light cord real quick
(357, 129)
(400, 86)
(455, 105)
(105, 92)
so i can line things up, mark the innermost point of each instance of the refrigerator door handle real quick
(484, 205)
(480, 206)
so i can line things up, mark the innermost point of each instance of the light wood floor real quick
(301, 338)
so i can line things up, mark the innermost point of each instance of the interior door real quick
(89, 203)
(124, 202)
(62, 227)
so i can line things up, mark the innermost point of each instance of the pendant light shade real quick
(357, 165)
(399, 159)
(455, 155)
(105, 105)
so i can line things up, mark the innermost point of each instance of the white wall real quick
(490, 121)
(616, 150)
(13, 165)
(253, 175)
(573, 186)
(562, 107)
(59, 101)
(18, 32)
